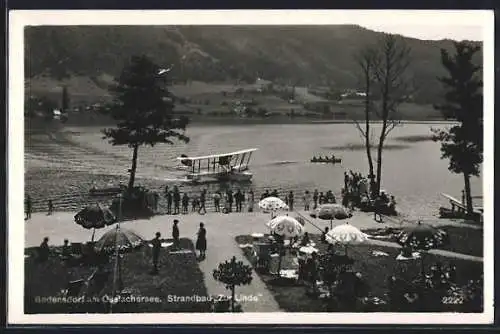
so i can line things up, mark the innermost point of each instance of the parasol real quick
(95, 216)
(120, 238)
(286, 226)
(331, 212)
(346, 234)
(272, 204)
(422, 237)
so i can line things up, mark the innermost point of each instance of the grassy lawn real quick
(463, 240)
(293, 297)
(179, 275)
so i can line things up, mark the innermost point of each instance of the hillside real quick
(89, 56)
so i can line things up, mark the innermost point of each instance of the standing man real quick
(307, 200)
(203, 198)
(463, 197)
(185, 203)
(169, 202)
(175, 234)
(177, 200)
(51, 207)
(28, 207)
(290, 200)
(201, 241)
(251, 200)
(238, 199)
(217, 198)
(230, 200)
(156, 251)
(315, 198)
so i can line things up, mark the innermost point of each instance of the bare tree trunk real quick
(468, 196)
(380, 149)
(367, 128)
(133, 169)
(233, 288)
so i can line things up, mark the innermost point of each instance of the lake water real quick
(412, 168)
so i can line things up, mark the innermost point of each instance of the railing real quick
(308, 221)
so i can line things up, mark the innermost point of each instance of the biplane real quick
(218, 167)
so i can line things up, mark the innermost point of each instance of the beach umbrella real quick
(422, 237)
(331, 212)
(346, 235)
(119, 239)
(95, 216)
(286, 226)
(272, 204)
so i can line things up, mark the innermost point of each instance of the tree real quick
(393, 84)
(143, 108)
(233, 273)
(462, 144)
(388, 62)
(366, 60)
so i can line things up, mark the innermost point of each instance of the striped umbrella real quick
(121, 238)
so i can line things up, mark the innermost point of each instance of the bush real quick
(136, 203)
(233, 273)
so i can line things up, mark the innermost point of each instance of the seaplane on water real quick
(218, 167)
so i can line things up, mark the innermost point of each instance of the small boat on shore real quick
(326, 161)
(107, 191)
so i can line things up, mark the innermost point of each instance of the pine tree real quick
(144, 110)
(462, 144)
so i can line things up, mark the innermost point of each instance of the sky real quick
(422, 24)
(433, 32)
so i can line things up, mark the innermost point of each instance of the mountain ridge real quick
(294, 55)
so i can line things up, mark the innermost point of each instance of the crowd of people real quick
(223, 201)
(356, 193)
(359, 191)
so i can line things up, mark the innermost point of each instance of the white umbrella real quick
(272, 204)
(346, 234)
(286, 226)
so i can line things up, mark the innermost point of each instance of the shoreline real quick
(92, 120)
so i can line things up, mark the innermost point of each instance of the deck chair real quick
(74, 288)
(97, 281)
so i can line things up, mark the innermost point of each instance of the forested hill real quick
(291, 54)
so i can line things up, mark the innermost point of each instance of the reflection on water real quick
(412, 171)
(414, 138)
(362, 147)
